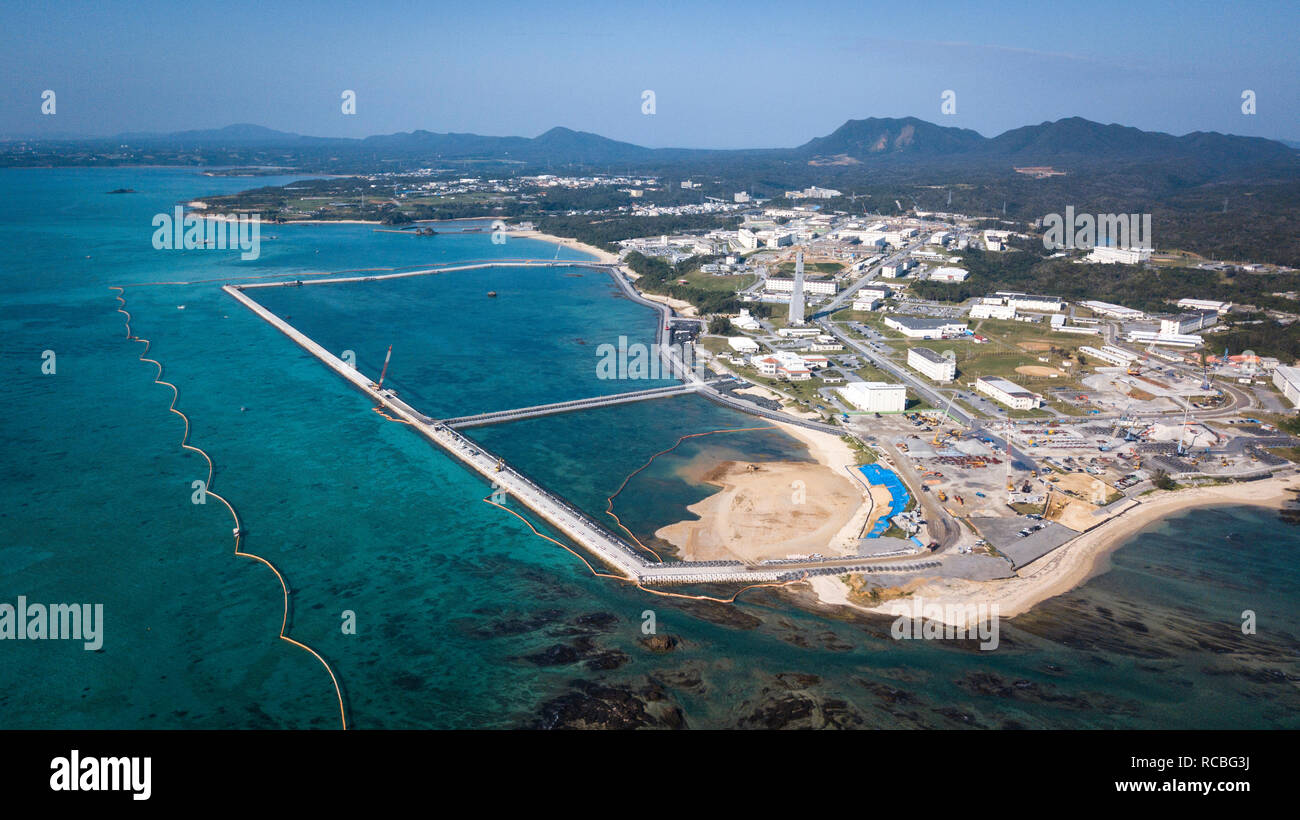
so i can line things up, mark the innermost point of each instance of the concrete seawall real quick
(598, 541)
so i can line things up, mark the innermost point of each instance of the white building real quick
(1026, 301)
(875, 292)
(899, 237)
(947, 274)
(875, 239)
(875, 397)
(1113, 311)
(931, 365)
(1287, 379)
(1150, 337)
(1123, 256)
(1188, 322)
(1108, 354)
(917, 327)
(1007, 392)
(743, 344)
(1205, 304)
(897, 269)
(866, 303)
(741, 196)
(790, 365)
(776, 239)
(826, 287)
(746, 320)
(984, 310)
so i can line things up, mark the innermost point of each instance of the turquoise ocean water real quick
(465, 619)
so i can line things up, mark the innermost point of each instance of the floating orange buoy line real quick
(379, 410)
(238, 531)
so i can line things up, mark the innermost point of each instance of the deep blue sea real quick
(464, 618)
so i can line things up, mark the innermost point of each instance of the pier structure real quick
(499, 416)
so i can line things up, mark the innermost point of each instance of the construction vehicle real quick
(942, 495)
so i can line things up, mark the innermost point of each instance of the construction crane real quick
(1182, 431)
(384, 372)
(1007, 436)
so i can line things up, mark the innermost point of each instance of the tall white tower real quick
(796, 295)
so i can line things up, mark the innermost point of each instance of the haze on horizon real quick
(759, 75)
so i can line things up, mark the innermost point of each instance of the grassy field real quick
(863, 453)
(715, 344)
(719, 284)
(871, 373)
(1004, 353)
(806, 391)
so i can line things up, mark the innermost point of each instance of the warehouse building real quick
(919, 327)
(1007, 392)
(875, 397)
(1287, 379)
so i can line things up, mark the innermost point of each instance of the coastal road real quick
(941, 526)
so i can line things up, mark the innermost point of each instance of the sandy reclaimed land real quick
(1072, 564)
(763, 514)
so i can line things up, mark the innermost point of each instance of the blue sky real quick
(726, 75)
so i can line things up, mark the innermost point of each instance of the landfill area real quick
(1003, 532)
(1117, 390)
(1061, 477)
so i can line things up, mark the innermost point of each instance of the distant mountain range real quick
(887, 141)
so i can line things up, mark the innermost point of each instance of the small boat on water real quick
(492, 293)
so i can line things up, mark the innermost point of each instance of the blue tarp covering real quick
(875, 474)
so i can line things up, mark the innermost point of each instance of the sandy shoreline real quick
(601, 255)
(1075, 562)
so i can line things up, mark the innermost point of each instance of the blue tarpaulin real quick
(898, 494)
